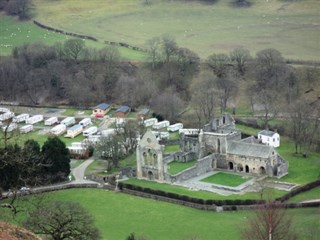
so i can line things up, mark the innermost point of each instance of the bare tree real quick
(129, 133)
(63, 220)
(226, 87)
(154, 55)
(204, 97)
(269, 222)
(218, 64)
(110, 148)
(161, 102)
(240, 58)
(304, 124)
(73, 48)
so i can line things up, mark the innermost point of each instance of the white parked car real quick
(24, 189)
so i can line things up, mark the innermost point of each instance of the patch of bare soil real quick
(12, 232)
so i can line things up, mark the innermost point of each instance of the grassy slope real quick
(15, 33)
(117, 214)
(292, 28)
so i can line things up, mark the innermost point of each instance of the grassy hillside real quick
(291, 27)
(116, 215)
(15, 33)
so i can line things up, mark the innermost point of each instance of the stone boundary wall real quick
(170, 200)
(64, 32)
(121, 44)
(126, 45)
(206, 207)
(213, 207)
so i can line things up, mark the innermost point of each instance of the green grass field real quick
(116, 215)
(176, 167)
(14, 33)
(291, 27)
(172, 148)
(226, 179)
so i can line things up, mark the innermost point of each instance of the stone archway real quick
(230, 165)
(150, 175)
(262, 170)
(247, 169)
(240, 167)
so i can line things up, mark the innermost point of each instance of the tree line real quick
(32, 165)
(71, 73)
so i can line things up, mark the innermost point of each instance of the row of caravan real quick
(14, 126)
(163, 124)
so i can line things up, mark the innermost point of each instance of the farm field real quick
(116, 215)
(290, 27)
(14, 33)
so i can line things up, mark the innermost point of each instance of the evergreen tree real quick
(56, 159)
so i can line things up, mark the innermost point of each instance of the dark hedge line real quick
(190, 199)
(298, 190)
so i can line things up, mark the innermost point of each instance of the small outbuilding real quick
(142, 115)
(122, 111)
(269, 138)
(101, 110)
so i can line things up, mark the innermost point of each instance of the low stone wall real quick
(64, 32)
(202, 166)
(170, 200)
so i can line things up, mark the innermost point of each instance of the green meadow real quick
(14, 33)
(292, 27)
(116, 215)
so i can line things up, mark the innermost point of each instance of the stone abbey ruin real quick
(217, 147)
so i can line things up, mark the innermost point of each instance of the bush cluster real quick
(190, 199)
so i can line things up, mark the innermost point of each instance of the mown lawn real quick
(176, 167)
(201, 27)
(226, 179)
(172, 148)
(116, 215)
(273, 193)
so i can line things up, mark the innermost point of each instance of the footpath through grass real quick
(176, 167)
(226, 179)
(117, 215)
